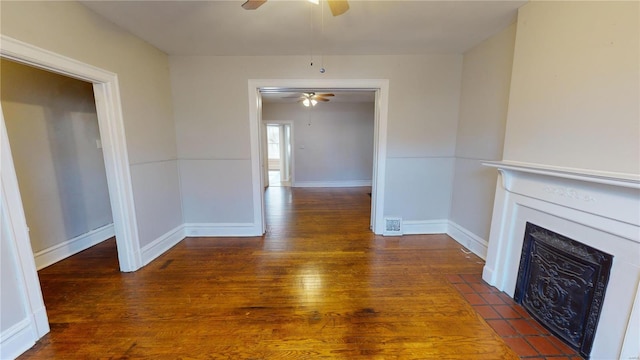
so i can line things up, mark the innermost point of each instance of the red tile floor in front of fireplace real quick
(511, 321)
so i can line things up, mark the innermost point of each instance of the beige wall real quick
(486, 75)
(70, 29)
(575, 88)
(210, 96)
(53, 127)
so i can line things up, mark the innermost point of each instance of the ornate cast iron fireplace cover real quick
(562, 283)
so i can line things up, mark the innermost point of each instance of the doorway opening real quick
(112, 139)
(379, 87)
(279, 154)
(52, 126)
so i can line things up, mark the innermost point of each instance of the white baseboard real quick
(424, 227)
(162, 244)
(17, 339)
(40, 321)
(63, 250)
(331, 184)
(466, 238)
(488, 275)
(469, 240)
(22, 336)
(222, 229)
(165, 242)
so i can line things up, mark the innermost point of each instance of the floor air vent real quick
(392, 226)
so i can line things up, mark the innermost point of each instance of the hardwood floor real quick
(319, 284)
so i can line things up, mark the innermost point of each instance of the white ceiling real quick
(282, 27)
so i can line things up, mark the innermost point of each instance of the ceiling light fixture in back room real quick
(310, 98)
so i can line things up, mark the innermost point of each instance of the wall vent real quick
(392, 226)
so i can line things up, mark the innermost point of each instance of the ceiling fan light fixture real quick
(308, 101)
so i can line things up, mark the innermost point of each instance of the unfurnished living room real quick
(329, 179)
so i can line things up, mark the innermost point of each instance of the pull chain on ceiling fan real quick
(338, 7)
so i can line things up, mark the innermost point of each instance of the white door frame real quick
(380, 86)
(108, 107)
(114, 148)
(291, 140)
(287, 156)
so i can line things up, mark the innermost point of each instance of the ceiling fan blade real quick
(319, 98)
(338, 7)
(325, 95)
(253, 4)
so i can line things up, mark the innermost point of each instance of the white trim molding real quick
(23, 335)
(222, 230)
(16, 235)
(110, 122)
(592, 176)
(424, 227)
(162, 244)
(332, 184)
(631, 344)
(469, 240)
(461, 235)
(17, 339)
(73, 246)
(165, 242)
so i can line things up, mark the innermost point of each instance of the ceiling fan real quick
(338, 7)
(311, 99)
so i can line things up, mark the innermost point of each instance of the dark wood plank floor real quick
(319, 284)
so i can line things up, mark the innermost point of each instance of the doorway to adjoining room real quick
(279, 154)
(56, 146)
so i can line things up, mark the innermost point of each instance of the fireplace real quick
(584, 213)
(562, 283)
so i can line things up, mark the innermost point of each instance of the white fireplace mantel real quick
(600, 177)
(599, 209)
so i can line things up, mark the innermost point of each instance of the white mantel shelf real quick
(601, 177)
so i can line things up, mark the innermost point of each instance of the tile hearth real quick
(511, 321)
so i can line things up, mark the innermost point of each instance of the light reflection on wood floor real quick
(318, 285)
